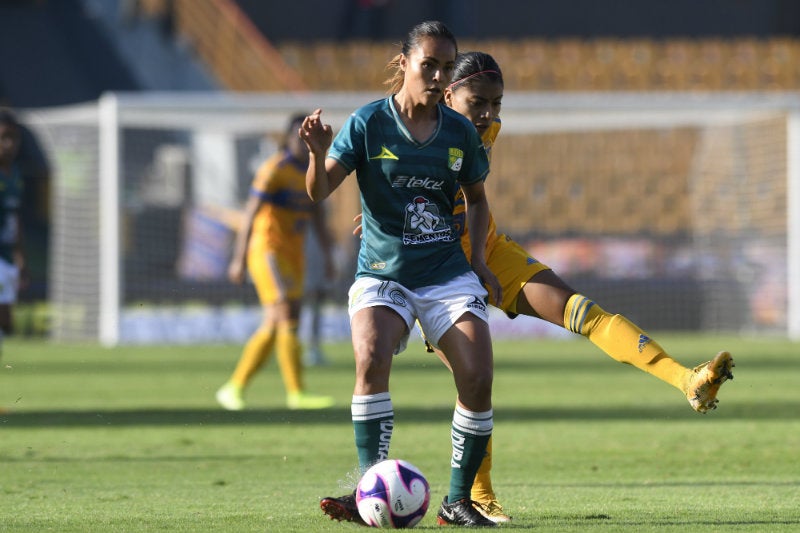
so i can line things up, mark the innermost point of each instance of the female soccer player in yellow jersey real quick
(531, 288)
(270, 245)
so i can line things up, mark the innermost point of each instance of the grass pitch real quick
(131, 439)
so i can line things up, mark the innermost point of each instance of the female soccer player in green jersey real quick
(411, 154)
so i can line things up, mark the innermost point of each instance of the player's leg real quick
(254, 354)
(282, 285)
(547, 296)
(9, 281)
(288, 349)
(313, 304)
(379, 329)
(259, 346)
(482, 492)
(376, 332)
(455, 319)
(469, 351)
(314, 293)
(513, 267)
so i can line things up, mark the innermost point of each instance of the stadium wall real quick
(474, 19)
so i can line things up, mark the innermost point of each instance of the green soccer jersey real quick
(10, 199)
(408, 190)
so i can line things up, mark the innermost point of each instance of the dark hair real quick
(474, 66)
(429, 28)
(292, 125)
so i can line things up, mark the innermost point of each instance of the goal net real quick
(681, 211)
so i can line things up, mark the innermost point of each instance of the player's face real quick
(479, 101)
(428, 69)
(296, 146)
(9, 143)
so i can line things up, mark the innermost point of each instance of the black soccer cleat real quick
(461, 513)
(343, 508)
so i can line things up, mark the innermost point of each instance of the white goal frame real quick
(522, 112)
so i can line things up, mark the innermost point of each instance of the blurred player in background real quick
(318, 280)
(13, 270)
(270, 245)
(533, 289)
(410, 155)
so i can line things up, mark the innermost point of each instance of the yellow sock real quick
(482, 486)
(622, 340)
(255, 352)
(288, 348)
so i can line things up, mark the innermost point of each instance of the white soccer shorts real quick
(437, 307)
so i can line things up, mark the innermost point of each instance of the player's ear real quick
(448, 96)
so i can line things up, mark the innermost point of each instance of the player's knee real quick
(476, 384)
(372, 367)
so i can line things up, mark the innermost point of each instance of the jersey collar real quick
(404, 131)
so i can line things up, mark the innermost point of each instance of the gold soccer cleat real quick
(492, 510)
(705, 381)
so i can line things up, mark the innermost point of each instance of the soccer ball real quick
(393, 494)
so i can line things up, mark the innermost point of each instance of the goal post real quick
(793, 223)
(680, 210)
(109, 213)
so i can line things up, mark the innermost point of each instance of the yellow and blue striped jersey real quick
(281, 221)
(460, 210)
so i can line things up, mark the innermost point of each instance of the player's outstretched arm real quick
(323, 175)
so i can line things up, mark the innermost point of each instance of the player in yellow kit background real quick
(270, 245)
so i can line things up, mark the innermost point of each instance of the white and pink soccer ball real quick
(393, 494)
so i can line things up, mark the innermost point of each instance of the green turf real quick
(130, 439)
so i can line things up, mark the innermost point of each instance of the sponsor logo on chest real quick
(413, 182)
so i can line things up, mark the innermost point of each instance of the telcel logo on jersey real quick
(413, 182)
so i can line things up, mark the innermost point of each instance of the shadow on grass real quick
(341, 415)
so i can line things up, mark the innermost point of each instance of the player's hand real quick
(315, 134)
(489, 281)
(358, 229)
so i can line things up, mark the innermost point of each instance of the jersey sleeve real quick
(265, 179)
(348, 145)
